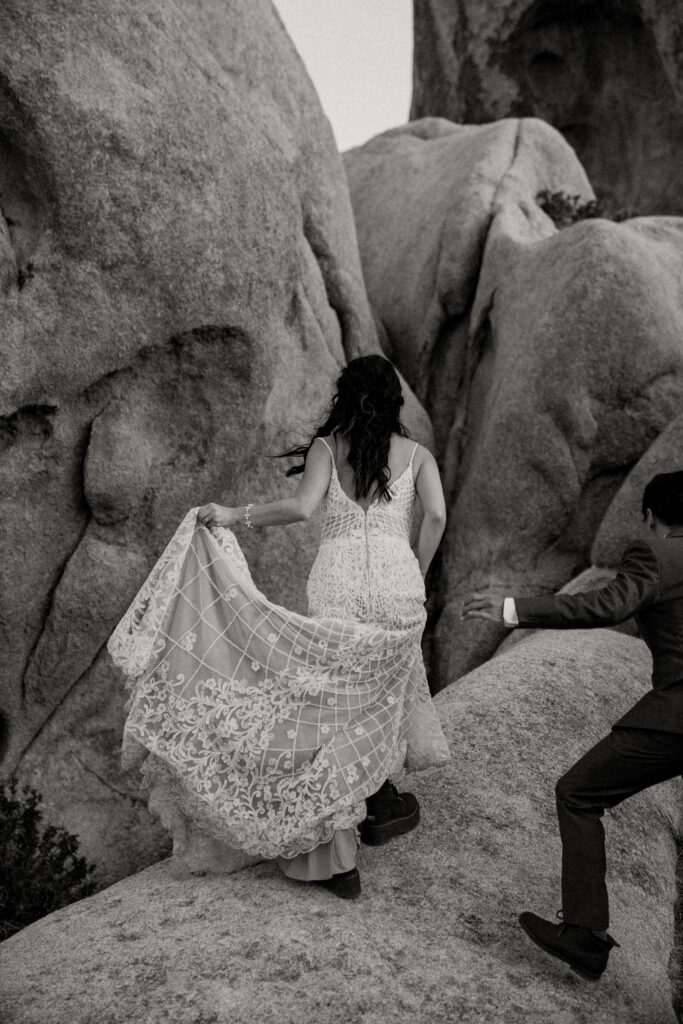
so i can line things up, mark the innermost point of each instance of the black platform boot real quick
(390, 814)
(345, 884)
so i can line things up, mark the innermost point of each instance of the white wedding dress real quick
(261, 730)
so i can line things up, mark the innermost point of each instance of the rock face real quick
(434, 936)
(549, 360)
(576, 339)
(179, 284)
(623, 519)
(609, 76)
(423, 198)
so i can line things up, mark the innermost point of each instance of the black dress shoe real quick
(584, 951)
(390, 814)
(345, 885)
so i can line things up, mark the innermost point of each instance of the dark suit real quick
(646, 744)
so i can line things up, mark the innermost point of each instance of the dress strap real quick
(412, 454)
(334, 464)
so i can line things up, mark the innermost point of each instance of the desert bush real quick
(564, 209)
(40, 870)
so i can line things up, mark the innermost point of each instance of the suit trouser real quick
(622, 764)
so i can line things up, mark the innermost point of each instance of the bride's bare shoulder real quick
(325, 445)
(404, 446)
(422, 456)
(329, 440)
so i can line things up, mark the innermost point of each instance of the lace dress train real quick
(259, 731)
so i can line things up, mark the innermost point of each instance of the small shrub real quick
(39, 867)
(564, 209)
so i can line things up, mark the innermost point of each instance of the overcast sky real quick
(359, 54)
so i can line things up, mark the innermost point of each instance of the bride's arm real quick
(301, 506)
(430, 493)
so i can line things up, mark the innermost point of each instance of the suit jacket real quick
(649, 586)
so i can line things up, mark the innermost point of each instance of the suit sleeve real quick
(635, 586)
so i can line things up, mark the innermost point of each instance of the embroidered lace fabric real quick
(263, 728)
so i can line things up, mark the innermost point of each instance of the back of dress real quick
(260, 727)
(365, 570)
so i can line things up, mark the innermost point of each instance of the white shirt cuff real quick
(510, 613)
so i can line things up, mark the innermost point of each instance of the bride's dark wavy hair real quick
(365, 410)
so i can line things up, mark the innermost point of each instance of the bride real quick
(262, 733)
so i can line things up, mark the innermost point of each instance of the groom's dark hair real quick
(664, 495)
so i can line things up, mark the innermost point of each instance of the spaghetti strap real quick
(328, 448)
(412, 454)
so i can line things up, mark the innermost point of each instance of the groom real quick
(644, 747)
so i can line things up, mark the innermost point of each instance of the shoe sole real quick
(378, 835)
(345, 889)
(581, 971)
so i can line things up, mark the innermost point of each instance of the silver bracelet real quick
(247, 509)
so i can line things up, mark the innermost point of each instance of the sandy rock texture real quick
(179, 285)
(609, 76)
(434, 936)
(550, 361)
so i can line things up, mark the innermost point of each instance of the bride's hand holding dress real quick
(219, 515)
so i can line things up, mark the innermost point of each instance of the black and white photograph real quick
(341, 511)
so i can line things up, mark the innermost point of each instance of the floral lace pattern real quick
(265, 728)
(365, 569)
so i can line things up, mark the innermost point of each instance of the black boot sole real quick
(346, 886)
(378, 835)
(583, 972)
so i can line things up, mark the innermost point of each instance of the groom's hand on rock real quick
(484, 605)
